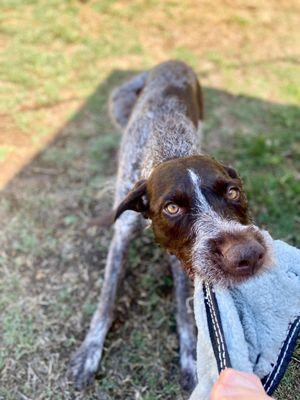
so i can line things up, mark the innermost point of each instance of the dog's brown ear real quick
(136, 200)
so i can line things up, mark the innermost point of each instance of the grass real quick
(60, 61)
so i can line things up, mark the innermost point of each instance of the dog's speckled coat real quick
(161, 114)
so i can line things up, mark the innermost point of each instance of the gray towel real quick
(259, 323)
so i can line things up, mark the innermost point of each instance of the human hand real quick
(236, 385)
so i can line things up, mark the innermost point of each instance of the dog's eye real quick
(233, 193)
(172, 209)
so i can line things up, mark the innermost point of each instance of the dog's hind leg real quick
(185, 325)
(124, 97)
(85, 362)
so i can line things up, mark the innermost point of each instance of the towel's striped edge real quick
(271, 381)
(215, 328)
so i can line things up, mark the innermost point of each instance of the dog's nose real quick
(243, 258)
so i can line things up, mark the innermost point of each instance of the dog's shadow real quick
(71, 182)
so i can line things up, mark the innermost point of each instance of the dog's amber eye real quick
(172, 209)
(233, 193)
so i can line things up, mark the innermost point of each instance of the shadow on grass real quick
(52, 265)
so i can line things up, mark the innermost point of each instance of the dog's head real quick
(199, 212)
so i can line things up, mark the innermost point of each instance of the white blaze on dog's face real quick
(199, 212)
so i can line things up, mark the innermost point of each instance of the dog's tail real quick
(124, 97)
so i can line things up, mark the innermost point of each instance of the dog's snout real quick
(242, 258)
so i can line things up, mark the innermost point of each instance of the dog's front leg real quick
(185, 326)
(85, 362)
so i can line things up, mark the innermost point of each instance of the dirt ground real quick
(58, 154)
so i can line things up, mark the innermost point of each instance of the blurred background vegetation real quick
(59, 62)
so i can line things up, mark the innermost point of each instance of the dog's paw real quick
(84, 364)
(188, 379)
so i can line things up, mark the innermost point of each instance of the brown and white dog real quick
(197, 206)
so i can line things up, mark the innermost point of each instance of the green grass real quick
(59, 62)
